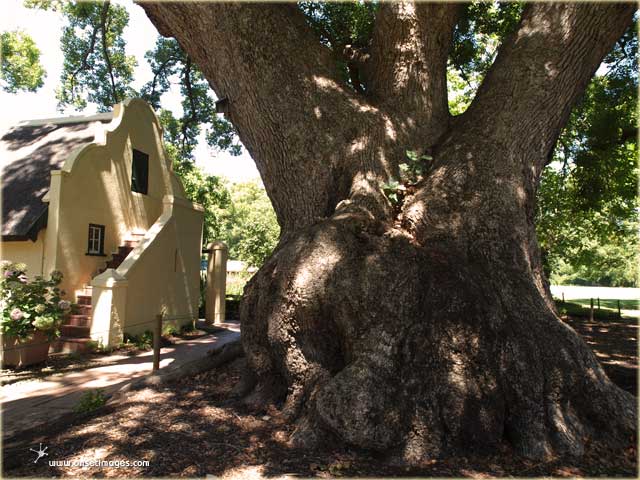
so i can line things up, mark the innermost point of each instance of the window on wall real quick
(96, 240)
(140, 172)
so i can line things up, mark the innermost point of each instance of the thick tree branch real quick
(542, 70)
(488, 166)
(408, 63)
(282, 84)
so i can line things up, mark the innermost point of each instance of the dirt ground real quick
(615, 343)
(186, 429)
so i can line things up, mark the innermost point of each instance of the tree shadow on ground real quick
(615, 343)
(188, 429)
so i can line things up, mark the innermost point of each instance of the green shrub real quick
(143, 341)
(33, 305)
(90, 401)
(98, 347)
(168, 330)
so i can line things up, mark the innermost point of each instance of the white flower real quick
(40, 308)
(16, 314)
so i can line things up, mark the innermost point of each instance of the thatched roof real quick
(28, 153)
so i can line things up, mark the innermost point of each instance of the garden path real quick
(31, 405)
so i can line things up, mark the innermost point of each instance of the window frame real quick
(92, 240)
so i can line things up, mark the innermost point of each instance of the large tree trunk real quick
(426, 327)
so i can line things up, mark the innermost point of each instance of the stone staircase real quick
(75, 332)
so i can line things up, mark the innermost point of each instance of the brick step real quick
(78, 320)
(83, 310)
(84, 300)
(87, 291)
(71, 345)
(125, 250)
(75, 331)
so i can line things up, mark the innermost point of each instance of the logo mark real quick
(41, 452)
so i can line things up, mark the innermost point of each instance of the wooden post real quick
(563, 298)
(598, 303)
(591, 311)
(157, 333)
(619, 312)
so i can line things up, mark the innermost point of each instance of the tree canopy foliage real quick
(251, 230)
(587, 219)
(20, 68)
(587, 197)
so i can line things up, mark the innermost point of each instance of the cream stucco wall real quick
(94, 186)
(161, 276)
(27, 252)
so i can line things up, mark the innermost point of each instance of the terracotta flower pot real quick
(20, 353)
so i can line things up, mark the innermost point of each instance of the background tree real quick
(587, 219)
(20, 67)
(423, 325)
(251, 230)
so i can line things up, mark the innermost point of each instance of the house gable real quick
(28, 153)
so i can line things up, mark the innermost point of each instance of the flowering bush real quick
(30, 305)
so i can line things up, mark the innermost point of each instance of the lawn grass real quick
(610, 304)
(608, 308)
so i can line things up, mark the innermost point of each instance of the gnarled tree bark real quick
(427, 328)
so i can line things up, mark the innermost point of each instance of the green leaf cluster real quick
(30, 305)
(96, 68)
(339, 24)
(211, 193)
(20, 68)
(252, 230)
(169, 64)
(587, 215)
(480, 30)
(342, 25)
(91, 401)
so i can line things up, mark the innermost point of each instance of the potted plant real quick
(32, 312)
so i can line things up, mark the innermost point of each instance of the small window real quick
(96, 240)
(140, 172)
